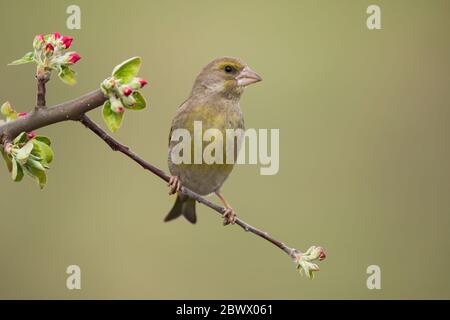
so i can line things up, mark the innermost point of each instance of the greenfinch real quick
(214, 100)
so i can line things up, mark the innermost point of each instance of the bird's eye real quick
(228, 69)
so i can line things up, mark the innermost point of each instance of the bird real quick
(214, 100)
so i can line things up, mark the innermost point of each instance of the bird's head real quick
(225, 76)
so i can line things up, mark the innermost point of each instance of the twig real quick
(42, 79)
(71, 110)
(117, 146)
(75, 110)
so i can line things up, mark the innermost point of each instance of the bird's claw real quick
(174, 185)
(229, 216)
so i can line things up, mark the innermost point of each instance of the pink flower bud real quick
(116, 105)
(137, 83)
(22, 114)
(322, 255)
(73, 57)
(39, 38)
(142, 82)
(31, 135)
(38, 42)
(127, 91)
(56, 35)
(49, 47)
(66, 41)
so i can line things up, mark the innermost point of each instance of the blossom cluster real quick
(50, 52)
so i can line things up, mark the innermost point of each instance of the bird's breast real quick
(206, 178)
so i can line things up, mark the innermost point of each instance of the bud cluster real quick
(121, 95)
(122, 90)
(50, 50)
(305, 260)
(27, 153)
(51, 53)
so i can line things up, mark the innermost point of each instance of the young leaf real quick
(43, 139)
(8, 112)
(21, 138)
(112, 119)
(42, 150)
(17, 171)
(6, 108)
(36, 164)
(38, 175)
(41, 178)
(140, 102)
(127, 70)
(24, 152)
(67, 75)
(29, 57)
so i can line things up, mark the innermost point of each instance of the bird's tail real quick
(183, 206)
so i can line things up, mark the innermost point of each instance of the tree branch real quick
(42, 79)
(117, 146)
(71, 110)
(75, 110)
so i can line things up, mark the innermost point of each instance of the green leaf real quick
(127, 70)
(36, 164)
(38, 175)
(42, 150)
(12, 116)
(21, 138)
(112, 119)
(44, 140)
(29, 57)
(140, 102)
(8, 112)
(67, 75)
(17, 171)
(7, 161)
(41, 178)
(24, 153)
(6, 108)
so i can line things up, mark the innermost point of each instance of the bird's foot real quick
(174, 185)
(229, 216)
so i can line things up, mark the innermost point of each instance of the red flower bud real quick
(116, 105)
(56, 35)
(49, 47)
(322, 255)
(142, 82)
(66, 41)
(22, 114)
(31, 135)
(74, 57)
(127, 91)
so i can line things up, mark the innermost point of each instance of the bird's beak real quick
(247, 76)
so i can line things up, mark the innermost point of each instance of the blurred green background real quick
(364, 153)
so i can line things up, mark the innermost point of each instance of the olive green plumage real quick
(214, 101)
